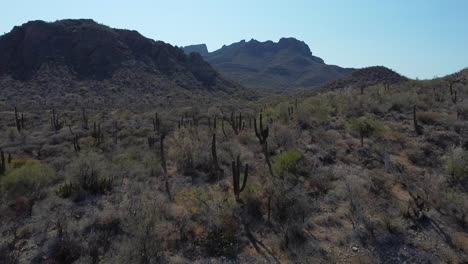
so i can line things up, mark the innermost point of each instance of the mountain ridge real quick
(288, 63)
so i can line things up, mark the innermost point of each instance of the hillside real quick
(287, 64)
(50, 59)
(365, 77)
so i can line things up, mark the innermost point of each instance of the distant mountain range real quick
(289, 63)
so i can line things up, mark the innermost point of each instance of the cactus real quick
(85, 119)
(19, 120)
(151, 142)
(156, 123)
(454, 97)
(163, 157)
(236, 123)
(55, 121)
(76, 143)
(417, 128)
(218, 172)
(212, 128)
(236, 178)
(2, 165)
(222, 128)
(97, 134)
(261, 133)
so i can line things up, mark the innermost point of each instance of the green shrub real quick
(367, 126)
(313, 110)
(456, 164)
(26, 178)
(286, 162)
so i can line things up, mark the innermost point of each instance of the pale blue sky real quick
(417, 38)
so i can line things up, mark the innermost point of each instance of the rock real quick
(354, 249)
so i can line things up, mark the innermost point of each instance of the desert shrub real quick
(189, 149)
(456, 164)
(429, 118)
(283, 136)
(202, 200)
(286, 162)
(145, 223)
(367, 126)
(88, 173)
(462, 110)
(455, 204)
(312, 111)
(223, 240)
(26, 178)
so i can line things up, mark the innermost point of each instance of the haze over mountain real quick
(288, 63)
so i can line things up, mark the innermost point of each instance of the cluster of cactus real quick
(98, 135)
(19, 120)
(236, 123)
(55, 123)
(417, 127)
(187, 122)
(238, 188)
(85, 119)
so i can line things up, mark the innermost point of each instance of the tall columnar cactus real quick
(262, 135)
(222, 128)
(261, 132)
(98, 135)
(417, 128)
(212, 128)
(19, 120)
(2, 164)
(454, 97)
(55, 121)
(217, 171)
(76, 143)
(156, 123)
(236, 177)
(85, 119)
(163, 156)
(236, 123)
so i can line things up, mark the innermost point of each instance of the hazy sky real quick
(417, 38)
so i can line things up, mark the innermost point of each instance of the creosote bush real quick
(456, 164)
(26, 177)
(286, 162)
(313, 111)
(367, 126)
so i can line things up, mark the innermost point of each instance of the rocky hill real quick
(84, 53)
(286, 64)
(366, 77)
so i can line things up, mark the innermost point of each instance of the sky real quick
(417, 38)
